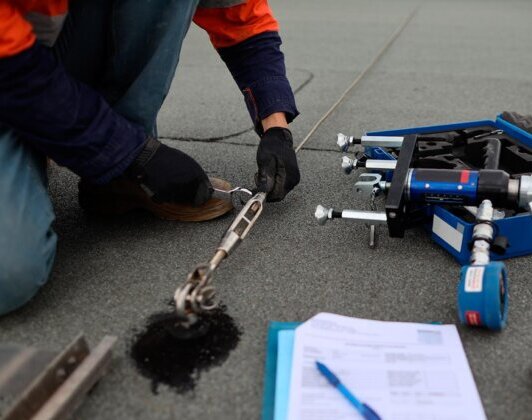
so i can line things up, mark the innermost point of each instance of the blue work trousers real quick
(128, 50)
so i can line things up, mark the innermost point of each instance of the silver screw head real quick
(343, 142)
(348, 164)
(321, 214)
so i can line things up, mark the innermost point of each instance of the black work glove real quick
(170, 175)
(521, 121)
(278, 171)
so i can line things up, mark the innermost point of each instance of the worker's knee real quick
(27, 241)
(24, 267)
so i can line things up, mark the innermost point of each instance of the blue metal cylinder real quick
(442, 186)
(483, 295)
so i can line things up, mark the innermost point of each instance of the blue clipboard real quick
(270, 369)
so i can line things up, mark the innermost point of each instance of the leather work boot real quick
(122, 195)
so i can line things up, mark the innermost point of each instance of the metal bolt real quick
(372, 236)
(344, 142)
(322, 214)
(348, 164)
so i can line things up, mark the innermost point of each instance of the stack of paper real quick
(404, 371)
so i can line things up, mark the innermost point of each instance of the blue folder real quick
(285, 349)
(271, 383)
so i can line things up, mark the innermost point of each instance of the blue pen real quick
(365, 410)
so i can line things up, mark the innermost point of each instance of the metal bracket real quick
(61, 384)
(367, 182)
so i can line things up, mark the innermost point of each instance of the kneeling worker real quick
(84, 86)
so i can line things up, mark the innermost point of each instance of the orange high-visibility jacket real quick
(24, 21)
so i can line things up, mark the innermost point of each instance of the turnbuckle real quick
(197, 295)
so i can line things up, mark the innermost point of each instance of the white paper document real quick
(404, 371)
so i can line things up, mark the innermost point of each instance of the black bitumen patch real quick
(169, 354)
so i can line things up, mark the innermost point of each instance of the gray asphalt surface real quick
(456, 60)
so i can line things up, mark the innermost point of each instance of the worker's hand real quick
(521, 121)
(170, 175)
(278, 171)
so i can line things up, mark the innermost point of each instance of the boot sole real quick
(124, 197)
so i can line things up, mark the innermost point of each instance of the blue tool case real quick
(463, 146)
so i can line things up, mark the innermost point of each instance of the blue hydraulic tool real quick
(469, 183)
